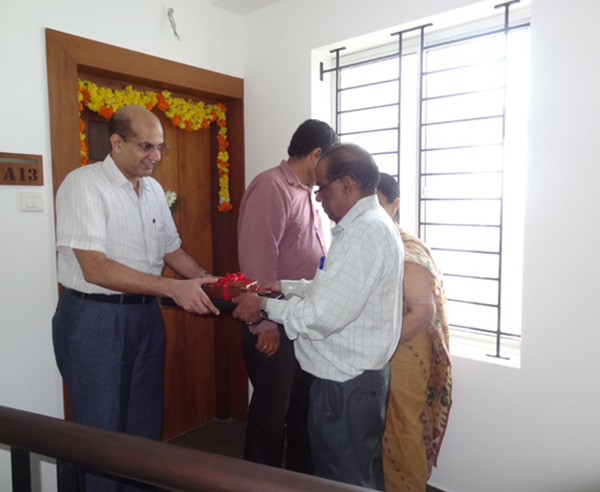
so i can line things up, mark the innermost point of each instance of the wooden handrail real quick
(153, 462)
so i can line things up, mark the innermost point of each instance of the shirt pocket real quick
(156, 242)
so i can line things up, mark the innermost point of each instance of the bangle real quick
(205, 274)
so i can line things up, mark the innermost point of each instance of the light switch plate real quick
(32, 201)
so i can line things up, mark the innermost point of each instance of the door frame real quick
(66, 57)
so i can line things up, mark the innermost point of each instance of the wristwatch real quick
(262, 311)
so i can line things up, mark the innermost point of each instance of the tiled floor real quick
(225, 437)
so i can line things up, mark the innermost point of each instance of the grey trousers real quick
(345, 427)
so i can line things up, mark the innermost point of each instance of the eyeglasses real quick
(321, 188)
(148, 147)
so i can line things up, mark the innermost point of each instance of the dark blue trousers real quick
(278, 413)
(111, 359)
(345, 426)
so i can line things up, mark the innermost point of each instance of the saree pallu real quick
(420, 390)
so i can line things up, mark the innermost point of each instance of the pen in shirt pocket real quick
(321, 262)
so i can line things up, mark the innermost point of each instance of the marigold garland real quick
(187, 115)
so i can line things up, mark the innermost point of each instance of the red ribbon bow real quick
(232, 277)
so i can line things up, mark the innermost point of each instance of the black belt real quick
(115, 298)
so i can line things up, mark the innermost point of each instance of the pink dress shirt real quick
(280, 235)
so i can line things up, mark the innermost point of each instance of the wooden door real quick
(190, 397)
(204, 372)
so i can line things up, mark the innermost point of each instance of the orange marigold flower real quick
(213, 116)
(205, 124)
(150, 106)
(163, 104)
(223, 143)
(81, 125)
(188, 126)
(224, 207)
(222, 107)
(80, 107)
(176, 120)
(221, 122)
(105, 112)
(86, 95)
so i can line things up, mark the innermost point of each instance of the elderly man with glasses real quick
(114, 234)
(346, 322)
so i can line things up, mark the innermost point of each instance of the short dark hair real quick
(120, 123)
(346, 159)
(388, 187)
(310, 135)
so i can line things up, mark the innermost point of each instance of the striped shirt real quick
(97, 209)
(347, 320)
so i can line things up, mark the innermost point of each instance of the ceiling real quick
(241, 7)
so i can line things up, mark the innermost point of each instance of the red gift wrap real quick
(230, 286)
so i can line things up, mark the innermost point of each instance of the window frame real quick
(422, 40)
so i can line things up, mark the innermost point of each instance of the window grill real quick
(459, 99)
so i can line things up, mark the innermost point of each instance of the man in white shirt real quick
(114, 234)
(346, 322)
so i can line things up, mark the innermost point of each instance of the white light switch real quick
(32, 201)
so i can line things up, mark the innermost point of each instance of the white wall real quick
(210, 38)
(525, 429)
(528, 429)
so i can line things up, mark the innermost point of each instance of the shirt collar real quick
(290, 176)
(116, 177)
(361, 206)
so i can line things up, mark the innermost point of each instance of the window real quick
(444, 110)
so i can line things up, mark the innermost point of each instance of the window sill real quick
(469, 346)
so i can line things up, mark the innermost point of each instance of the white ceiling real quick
(241, 7)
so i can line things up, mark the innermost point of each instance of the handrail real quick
(158, 463)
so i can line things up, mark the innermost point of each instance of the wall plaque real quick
(21, 169)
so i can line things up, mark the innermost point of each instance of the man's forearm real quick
(189, 294)
(99, 270)
(184, 264)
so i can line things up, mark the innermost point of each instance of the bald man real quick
(115, 233)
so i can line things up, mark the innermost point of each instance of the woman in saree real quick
(421, 380)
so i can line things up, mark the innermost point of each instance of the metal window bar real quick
(368, 84)
(365, 108)
(422, 222)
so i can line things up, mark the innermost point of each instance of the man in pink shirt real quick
(280, 237)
